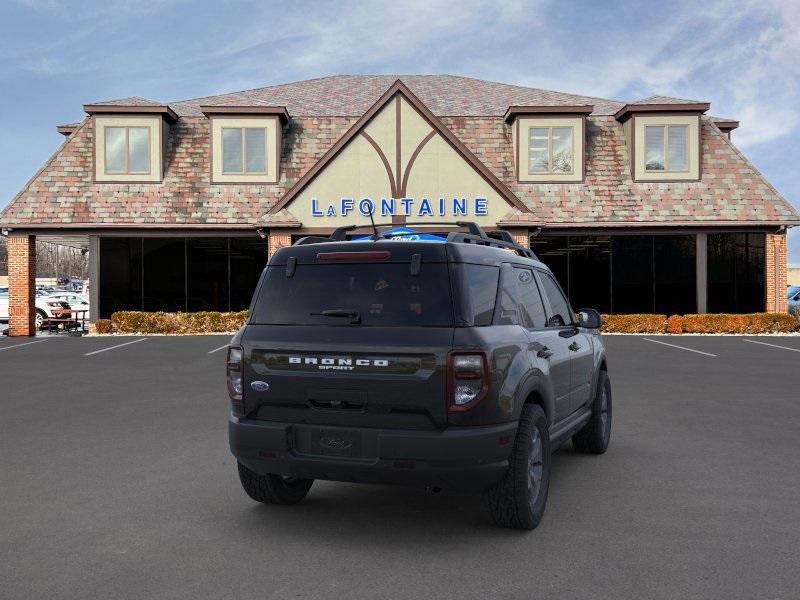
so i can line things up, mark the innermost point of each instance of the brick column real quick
(521, 237)
(21, 284)
(776, 271)
(278, 238)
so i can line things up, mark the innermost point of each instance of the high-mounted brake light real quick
(233, 373)
(467, 379)
(354, 256)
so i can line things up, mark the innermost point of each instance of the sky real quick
(739, 55)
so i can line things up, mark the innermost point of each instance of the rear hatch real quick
(354, 334)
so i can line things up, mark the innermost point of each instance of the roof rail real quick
(459, 237)
(474, 235)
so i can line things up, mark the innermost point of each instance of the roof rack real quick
(474, 235)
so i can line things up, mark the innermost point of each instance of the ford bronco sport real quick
(456, 364)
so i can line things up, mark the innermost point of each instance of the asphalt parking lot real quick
(116, 482)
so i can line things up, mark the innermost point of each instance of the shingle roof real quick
(666, 100)
(63, 193)
(352, 95)
(130, 101)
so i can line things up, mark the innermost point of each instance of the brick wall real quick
(776, 273)
(21, 284)
(278, 238)
(521, 237)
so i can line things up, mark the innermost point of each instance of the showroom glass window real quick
(550, 150)
(244, 150)
(127, 150)
(623, 274)
(736, 265)
(666, 148)
(179, 274)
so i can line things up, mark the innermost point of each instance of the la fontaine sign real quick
(452, 207)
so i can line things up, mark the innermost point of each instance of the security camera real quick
(261, 233)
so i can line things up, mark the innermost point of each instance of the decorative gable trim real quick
(398, 87)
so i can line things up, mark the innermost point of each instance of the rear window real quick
(383, 294)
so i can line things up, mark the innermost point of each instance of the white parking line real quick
(772, 345)
(218, 349)
(114, 347)
(20, 345)
(680, 347)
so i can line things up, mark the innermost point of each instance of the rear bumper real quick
(458, 458)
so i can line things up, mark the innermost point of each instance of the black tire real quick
(596, 434)
(39, 318)
(518, 501)
(273, 489)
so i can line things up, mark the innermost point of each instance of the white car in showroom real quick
(47, 307)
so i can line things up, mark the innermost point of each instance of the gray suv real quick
(456, 365)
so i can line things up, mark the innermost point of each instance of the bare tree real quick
(52, 260)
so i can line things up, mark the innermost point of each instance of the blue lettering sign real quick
(366, 207)
(387, 207)
(425, 208)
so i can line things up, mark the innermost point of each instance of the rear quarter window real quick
(476, 292)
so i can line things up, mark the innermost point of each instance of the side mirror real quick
(589, 318)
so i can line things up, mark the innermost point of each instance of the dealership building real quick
(641, 206)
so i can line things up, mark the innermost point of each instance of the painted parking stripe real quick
(772, 345)
(680, 347)
(21, 345)
(114, 347)
(218, 349)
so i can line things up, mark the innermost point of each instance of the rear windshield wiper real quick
(345, 313)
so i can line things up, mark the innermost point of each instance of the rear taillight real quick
(233, 373)
(468, 379)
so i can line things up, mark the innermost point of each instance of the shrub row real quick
(708, 323)
(163, 322)
(222, 322)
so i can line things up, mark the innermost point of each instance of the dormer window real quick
(550, 150)
(127, 150)
(548, 142)
(666, 148)
(244, 150)
(245, 143)
(130, 140)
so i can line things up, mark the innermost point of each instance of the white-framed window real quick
(127, 150)
(666, 148)
(550, 150)
(244, 150)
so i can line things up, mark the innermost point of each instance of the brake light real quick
(354, 256)
(233, 375)
(468, 379)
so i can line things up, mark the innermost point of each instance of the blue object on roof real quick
(405, 234)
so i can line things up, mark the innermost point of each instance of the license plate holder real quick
(344, 443)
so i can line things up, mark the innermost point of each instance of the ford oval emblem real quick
(335, 443)
(260, 386)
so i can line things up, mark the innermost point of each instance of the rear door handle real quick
(544, 352)
(574, 346)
